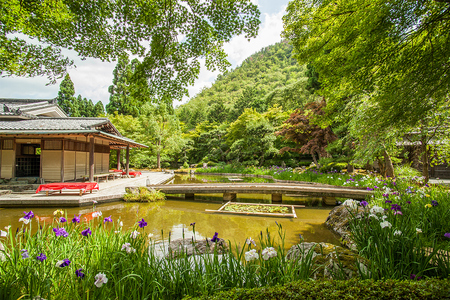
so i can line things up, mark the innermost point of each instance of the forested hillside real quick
(269, 77)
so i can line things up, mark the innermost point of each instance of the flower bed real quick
(257, 208)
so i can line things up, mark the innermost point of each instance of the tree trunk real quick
(314, 158)
(381, 166)
(425, 165)
(389, 167)
(158, 156)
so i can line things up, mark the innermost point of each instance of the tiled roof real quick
(49, 124)
(17, 106)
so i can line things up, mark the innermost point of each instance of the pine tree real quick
(99, 110)
(66, 95)
(128, 92)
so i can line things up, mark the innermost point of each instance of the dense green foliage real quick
(128, 91)
(236, 119)
(394, 52)
(77, 107)
(269, 77)
(343, 289)
(108, 29)
(382, 67)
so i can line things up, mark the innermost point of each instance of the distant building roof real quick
(29, 108)
(45, 117)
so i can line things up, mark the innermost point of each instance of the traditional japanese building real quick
(37, 139)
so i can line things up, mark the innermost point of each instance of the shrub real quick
(406, 171)
(144, 194)
(344, 289)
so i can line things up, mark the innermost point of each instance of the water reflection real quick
(175, 217)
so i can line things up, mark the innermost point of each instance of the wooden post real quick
(62, 161)
(277, 198)
(127, 167)
(329, 200)
(229, 197)
(91, 160)
(118, 159)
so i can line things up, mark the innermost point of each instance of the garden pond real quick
(175, 216)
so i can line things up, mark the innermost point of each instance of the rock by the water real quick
(338, 221)
(329, 261)
(190, 247)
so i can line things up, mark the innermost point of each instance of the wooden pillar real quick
(118, 159)
(91, 159)
(127, 167)
(277, 198)
(62, 161)
(13, 172)
(229, 197)
(329, 200)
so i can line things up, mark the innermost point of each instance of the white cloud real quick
(92, 79)
(240, 48)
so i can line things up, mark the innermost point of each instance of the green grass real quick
(139, 273)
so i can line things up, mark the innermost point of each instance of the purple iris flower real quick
(65, 263)
(86, 232)
(142, 223)
(415, 277)
(76, 219)
(60, 232)
(434, 203)
(409, 202)
(396, 207)
(24, 253)
(369, 189)
(192, 224)
(41, 257)
(28, 215)
(108, 219)
(79, 273)
(388, 201)
(447, 235)
(62, 220)
(363, 203)
(215, 238)
(386, 195)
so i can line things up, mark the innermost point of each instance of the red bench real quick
(59, 186)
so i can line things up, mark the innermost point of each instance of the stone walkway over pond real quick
(229, 190)
(110, 191)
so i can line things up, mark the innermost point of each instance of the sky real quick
(92, 77)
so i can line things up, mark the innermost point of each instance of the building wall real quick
(69, 165)
(7, 163)
(51, 165)
(57, 165)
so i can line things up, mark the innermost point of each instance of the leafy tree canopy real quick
(308, 137)
(395, 52)
(270, 76)
(171, 36)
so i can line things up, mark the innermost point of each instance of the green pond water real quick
(175, 216)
